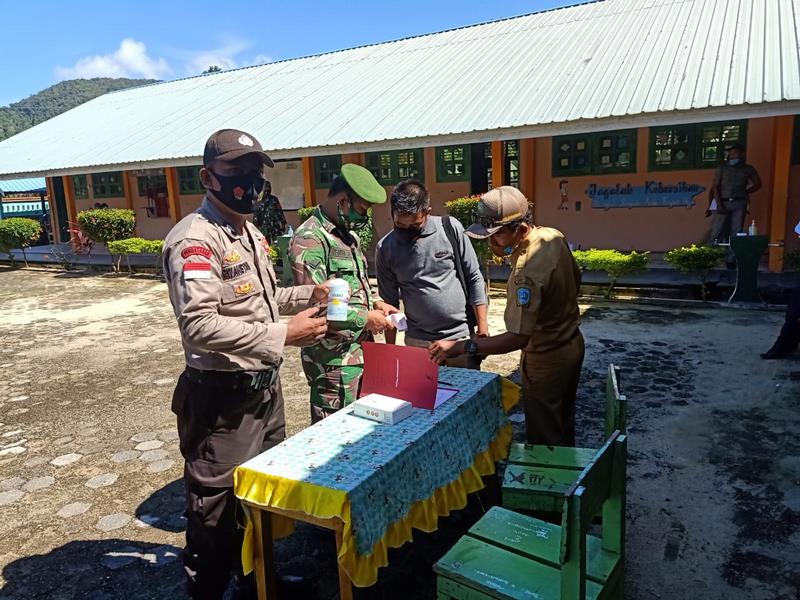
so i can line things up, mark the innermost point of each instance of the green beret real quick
(363, 183)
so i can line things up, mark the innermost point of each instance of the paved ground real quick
(90, 496)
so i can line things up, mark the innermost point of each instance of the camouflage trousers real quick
(332, 387)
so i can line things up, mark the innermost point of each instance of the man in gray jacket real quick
(437, 276)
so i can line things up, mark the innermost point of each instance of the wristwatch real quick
(471, 347)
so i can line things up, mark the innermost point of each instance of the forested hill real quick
(57, 99)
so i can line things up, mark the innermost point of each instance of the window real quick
(189, 181)
(452, 163)
(107, 185)
(325, 169)
(150, 185)
(391, 167)
(595, 153)
(80, 186)
(699, 146)
(511, 164)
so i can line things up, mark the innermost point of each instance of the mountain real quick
(57, 99)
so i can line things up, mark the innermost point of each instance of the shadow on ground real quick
(164, 508)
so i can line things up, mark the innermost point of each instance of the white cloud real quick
(225, 57)
(129, 60)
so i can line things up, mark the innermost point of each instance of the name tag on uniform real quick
(196, 270)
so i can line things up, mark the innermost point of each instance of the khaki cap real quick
(498, 207)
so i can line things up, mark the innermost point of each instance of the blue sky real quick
(46, 41)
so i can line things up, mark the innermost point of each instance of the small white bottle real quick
(338, 296)
(752, 230)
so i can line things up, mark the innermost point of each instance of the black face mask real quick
(239, 192)
(408, 234)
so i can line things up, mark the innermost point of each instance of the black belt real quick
(233, 380)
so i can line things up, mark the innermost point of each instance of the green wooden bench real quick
(513, 556)
(537, 476)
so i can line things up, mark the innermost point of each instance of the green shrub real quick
(696, 259)
(18, 232)
(465, 211)
(107, 224)
(135, 245)
(617, 264)
(274, 255)
(791, 260)
(365, 235)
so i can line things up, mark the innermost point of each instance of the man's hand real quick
(377, 321)
(387, 309)
(444, 349)
(320, 294)
(305, 328)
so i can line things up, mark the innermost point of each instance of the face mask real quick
(354, 220)
(408, 234)
(239, 192)
(733, 162)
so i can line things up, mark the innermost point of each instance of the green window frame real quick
(80, 185)
(326, 168)
(453, 163)
(394, 166)
(157, 183)
(696, 146)
(108, 185)
(595, 153)
(511, 163)
(189, 181)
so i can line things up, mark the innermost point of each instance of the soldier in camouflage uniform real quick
(324, 247)
(268, 216)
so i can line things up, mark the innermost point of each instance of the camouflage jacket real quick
(319, 251)
(268, 217)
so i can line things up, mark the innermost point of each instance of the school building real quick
(610, 116)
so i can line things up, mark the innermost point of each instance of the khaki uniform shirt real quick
(542, 292)
(224, 294)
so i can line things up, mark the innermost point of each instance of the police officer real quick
(542, 317)
(324, 246)
(228, 401)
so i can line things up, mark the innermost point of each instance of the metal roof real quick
(602, 65)
(21, 186)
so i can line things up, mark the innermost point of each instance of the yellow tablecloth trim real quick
(325, 503)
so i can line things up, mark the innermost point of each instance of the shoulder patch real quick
(523, 296)
(195, 251)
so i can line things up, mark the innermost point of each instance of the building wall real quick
(793, 210)
(644, 228)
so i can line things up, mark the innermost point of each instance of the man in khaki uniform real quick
(228, 401)
(542, 317)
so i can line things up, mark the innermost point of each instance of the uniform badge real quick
(196, 270)
(523, 296)
(245, 141)
(231, 257)
(234, 271)
(195, 251)
(243, 288)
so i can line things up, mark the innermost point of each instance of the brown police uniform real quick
(228, 401)
(542, 302)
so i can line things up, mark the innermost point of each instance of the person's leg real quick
(334, 388)
(789, 336)
(549, 386)
(275, 417)
(218, 430)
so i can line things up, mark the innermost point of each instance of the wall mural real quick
(652, 193)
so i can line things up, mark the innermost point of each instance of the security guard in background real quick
(228, 401)
(324, 247)
(542, 316)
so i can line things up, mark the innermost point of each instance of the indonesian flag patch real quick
(196, 270)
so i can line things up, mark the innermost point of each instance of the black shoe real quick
(773, 354)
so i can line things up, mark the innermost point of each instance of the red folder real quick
(400, 372)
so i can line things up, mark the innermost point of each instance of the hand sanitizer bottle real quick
(752, 230)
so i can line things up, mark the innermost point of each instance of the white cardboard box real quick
(383, 409)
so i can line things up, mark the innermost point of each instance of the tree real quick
(18, 232)
(212, 69)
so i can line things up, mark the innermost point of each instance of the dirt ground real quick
(90, 490)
